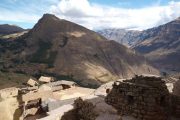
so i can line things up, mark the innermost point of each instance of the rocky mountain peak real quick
(49, 18)
(47, 15)
(50, 28)
(50, 24)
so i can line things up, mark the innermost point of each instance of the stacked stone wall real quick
(145, 98)
(175, 102)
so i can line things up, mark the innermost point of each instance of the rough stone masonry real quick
(145, 98)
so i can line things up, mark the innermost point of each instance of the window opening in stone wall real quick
(162, 100)
(130, 99)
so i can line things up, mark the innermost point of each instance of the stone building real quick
(145, 98)
(62, 82)
(43, 95)
(67, 84)
(32, 82)
(8, 92)
(45, 79)
(44, 87)
(28, 89)
(59, 85)
(176, 89)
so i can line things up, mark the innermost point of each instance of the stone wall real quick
(145, 98)
(37, 95)
(8, 93)
(175, 102)
(176, 89)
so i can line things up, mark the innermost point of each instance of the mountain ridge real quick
(9, 29)
(161, 45)
(66, 50)
(125, 37)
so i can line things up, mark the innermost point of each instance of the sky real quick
(93, 14)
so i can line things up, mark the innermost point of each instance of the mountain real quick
(125, 37)
(9, 29)
(66, 50)
(161, 45)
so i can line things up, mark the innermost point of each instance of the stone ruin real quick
(145, 98)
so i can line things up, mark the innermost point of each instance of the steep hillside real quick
(125, 37)
(161, 45)
(66, 50)
(9, 29)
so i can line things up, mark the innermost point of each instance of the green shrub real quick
(83, 110)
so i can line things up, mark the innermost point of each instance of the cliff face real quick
(69, 51)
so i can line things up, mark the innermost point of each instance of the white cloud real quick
(96, 16)
(90, 15)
